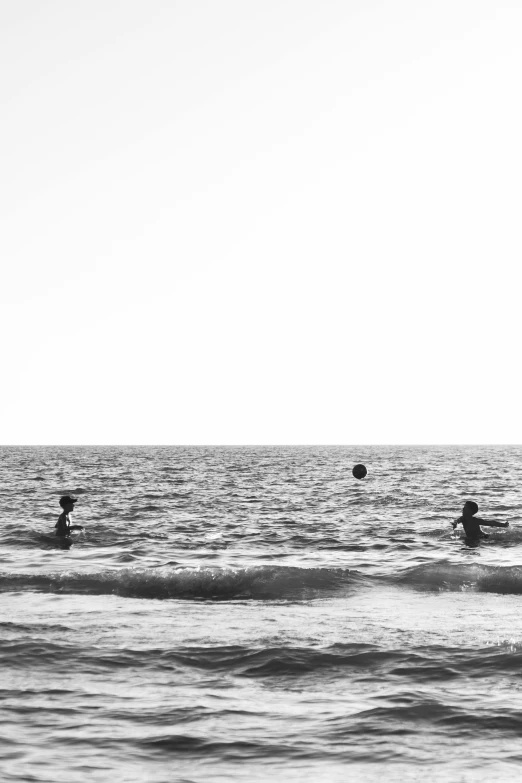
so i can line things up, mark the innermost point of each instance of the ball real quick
(359, 471)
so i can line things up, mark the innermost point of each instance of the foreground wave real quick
(263, 582)
(421, 664)
(444, 575)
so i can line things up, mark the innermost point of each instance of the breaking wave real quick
(262, 582)
(444, 575)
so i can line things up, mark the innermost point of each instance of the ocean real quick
(258, 614)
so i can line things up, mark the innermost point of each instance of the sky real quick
(262, 222)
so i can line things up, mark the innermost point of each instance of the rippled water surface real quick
(259, 614)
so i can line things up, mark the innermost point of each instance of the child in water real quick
(471, 523)
(63, 526)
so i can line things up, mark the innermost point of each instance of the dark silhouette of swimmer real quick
(471, 523)
(63, 526)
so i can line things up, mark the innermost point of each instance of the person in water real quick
(471, 523)
(63, 526)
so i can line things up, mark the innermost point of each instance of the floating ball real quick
(359, 471)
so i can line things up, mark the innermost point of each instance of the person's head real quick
(470, 508)
(67, 503)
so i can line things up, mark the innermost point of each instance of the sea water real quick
(258, 614)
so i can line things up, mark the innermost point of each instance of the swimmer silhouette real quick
(471, 523)
(359, 471)
(63, 526)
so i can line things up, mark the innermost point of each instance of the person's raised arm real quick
(492, 524)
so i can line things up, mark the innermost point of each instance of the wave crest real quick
(261, 582)
(452, 576)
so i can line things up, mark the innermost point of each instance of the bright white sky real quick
(260, 221)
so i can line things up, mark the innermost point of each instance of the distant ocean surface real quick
(257, 614)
